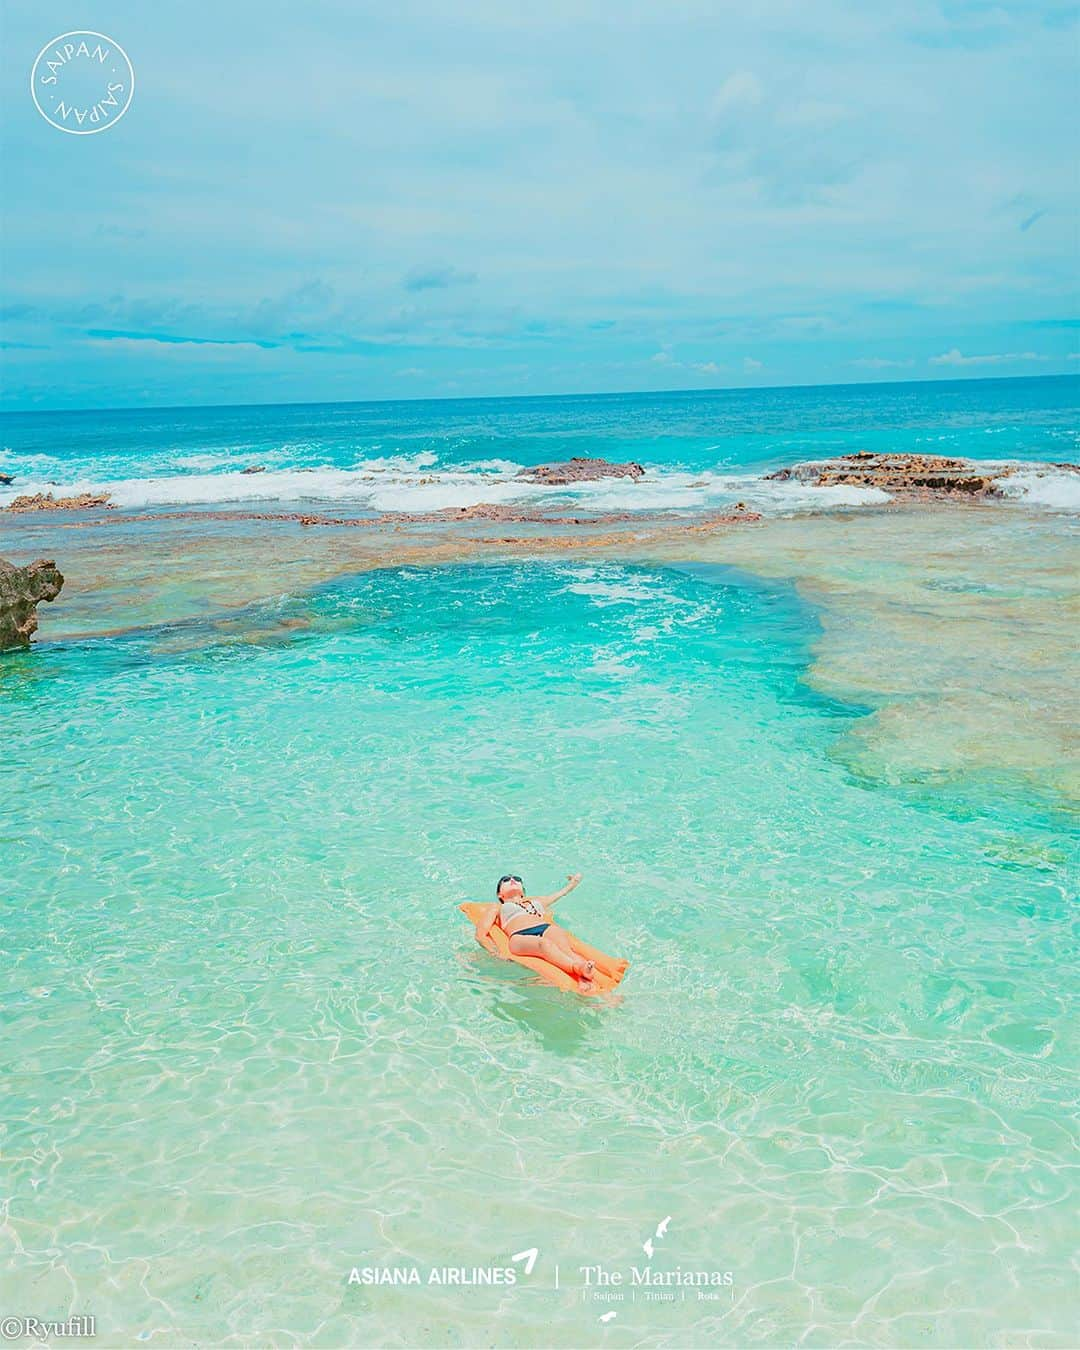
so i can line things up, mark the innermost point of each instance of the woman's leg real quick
(561, 938)
(549, 950)
(608, 965)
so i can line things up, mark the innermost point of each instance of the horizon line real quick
(520, 398)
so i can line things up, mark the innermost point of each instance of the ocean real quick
(701, 449)
(819, 775)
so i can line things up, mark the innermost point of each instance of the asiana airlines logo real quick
(458, 1277)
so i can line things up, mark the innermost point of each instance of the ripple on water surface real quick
(254, 1045)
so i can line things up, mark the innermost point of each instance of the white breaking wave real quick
(403, 464)
(411, 484)
(376, 491)
(406, 483)
(788, 496)
(1053, 489)
(19, 463)
(222, 460)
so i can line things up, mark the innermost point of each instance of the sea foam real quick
(413, 483)
(410, 484)
(1049, 487)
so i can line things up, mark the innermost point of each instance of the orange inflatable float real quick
(609, 969)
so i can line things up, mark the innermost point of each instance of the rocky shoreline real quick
(45, 501)
(22, 589)
(907, 475)
(902, 476)
(450, 515)
(906, 478)
(539, 522)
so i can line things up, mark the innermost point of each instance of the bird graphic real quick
(647, 1248)
(661, 1227)
(606, 1317)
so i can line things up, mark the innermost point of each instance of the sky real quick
(323, 201)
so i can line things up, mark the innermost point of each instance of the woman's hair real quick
(509, 877)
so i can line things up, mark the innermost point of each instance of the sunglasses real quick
(509, 877)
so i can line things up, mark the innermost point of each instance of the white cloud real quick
(879, 363)
(955, 357)
(174, 346)
(751, 366)
(766, 163)
(699, 367)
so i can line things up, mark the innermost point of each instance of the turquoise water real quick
(252, 1044)
(698, 448)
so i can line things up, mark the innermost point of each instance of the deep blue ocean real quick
(700, 448)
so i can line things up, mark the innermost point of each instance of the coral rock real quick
(902, 474)
(45, 501)
(580, 470)
(21, 590)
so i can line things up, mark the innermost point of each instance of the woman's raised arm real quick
(547, 901)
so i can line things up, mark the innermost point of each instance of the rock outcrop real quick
(579, 470)
(21, 591)
(254, 468)
(498, 513)
(488, 511)
(902, 474)
(6, 478)
(45, 501)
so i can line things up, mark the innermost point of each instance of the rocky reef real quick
(21, 591)
(579, 470)
(6, 478)
(451, 515)
(45, 501)
(901, 474)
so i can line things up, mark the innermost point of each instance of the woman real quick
(530, 931)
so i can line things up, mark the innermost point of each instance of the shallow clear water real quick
(252, 1044)
(819, 774)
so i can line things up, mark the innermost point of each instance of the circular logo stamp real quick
(82, 82)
